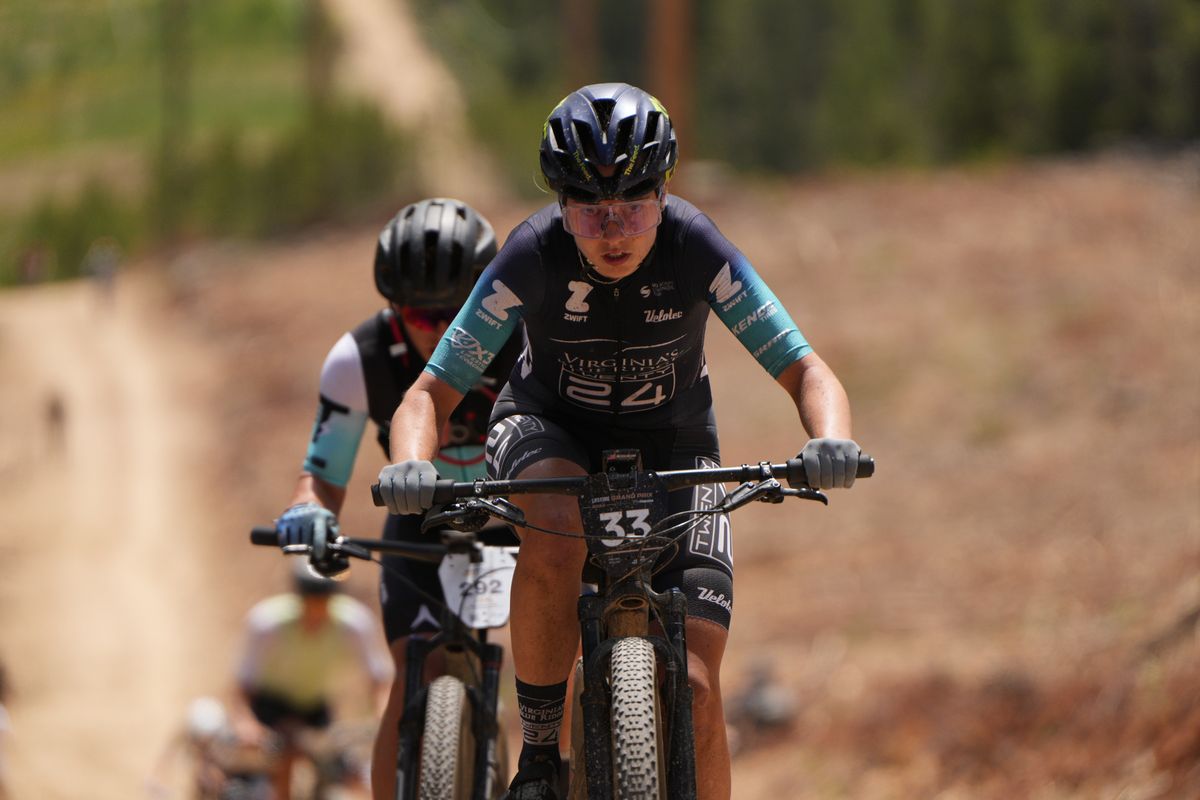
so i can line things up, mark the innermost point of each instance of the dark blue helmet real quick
(607, 125)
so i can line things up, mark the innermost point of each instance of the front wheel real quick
(447, 746)
(637, 756)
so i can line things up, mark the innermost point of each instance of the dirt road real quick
(106, 576)
(385, 60)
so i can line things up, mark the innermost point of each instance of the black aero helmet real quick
(431, 253)
(607, 124)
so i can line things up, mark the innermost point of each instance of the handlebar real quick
(265, 536)
(446, 490)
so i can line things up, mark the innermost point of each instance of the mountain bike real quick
(634, 700)
(452, 745)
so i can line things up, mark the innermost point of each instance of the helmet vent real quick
(624, 134)
(587, 144)
(555, 130)
(431, 259)
(604, 111)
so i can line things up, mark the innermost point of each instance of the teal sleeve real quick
(481, 328)
(336, 436)
(754, 315)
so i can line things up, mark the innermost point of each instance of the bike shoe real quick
(537, 779)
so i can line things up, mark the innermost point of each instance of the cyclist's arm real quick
(311, 489)
(819, 397)
(420, 417)
(337, 432)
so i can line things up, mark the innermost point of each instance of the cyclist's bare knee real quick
(553, 512)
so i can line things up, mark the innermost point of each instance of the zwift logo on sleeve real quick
(497, 304)
(725, 289)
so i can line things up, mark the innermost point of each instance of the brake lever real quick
(340, 546)
(473, 514)
(803, 493)
(768, 490)
(749, 492)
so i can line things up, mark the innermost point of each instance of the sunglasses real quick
(427, 319)
(590, 220)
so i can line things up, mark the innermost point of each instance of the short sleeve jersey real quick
(365, 377)
(281, 657)
(627, 352)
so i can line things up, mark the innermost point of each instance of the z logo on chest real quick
(576, 305)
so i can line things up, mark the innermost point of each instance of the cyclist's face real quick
(615, 236)
(425, 326)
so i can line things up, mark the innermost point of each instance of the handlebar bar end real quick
(264, 536)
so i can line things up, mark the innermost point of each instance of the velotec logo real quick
(712, 597)
(662, 314)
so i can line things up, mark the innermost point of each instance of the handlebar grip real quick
(443, 492)
(264, 536)
(797, 477)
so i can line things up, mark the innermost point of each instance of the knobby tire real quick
(447, 746)
(637, 758)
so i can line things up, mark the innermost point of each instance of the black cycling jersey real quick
(599, 350)
(366, 375)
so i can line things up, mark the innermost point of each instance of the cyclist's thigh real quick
(702, 566)
(401, 583)
(518, 441)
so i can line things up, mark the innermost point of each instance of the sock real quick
(541, 710)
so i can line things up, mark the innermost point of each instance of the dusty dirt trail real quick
(385, 60)
(104, 555)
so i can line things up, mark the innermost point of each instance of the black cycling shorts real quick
(702, 567)
(275, 711)
(410, 594)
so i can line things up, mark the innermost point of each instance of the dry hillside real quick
(993, 615)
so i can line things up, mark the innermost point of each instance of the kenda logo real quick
(762, 312)
(720, 599)
(724, 287)
(502, 299)
(579, 291)
(662, 314)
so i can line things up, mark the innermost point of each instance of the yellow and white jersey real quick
(282, 658)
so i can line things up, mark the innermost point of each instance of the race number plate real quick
(478, 592)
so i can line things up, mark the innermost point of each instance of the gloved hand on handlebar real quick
(305, 522)
(407, 487)
(830, 463)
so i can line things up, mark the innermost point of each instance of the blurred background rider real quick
(296, 645)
